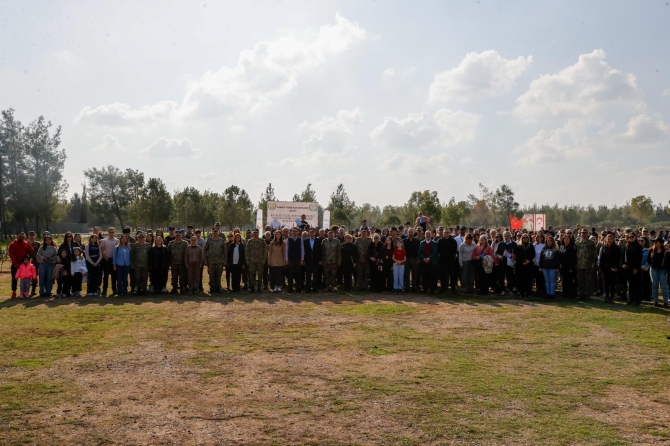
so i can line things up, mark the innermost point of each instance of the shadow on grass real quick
(338, 298)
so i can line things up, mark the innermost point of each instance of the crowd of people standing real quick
(631, 264)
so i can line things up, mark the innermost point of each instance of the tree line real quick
(33, 190)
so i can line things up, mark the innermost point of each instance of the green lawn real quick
(332, 369)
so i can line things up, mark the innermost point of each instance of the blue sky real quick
(566, 102)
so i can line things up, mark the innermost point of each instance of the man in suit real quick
(312, 248)
(428, 260)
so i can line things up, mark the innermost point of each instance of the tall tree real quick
(109, 191)
(342, 209)
(426, 202)
(452, 213)
(236, 208)
(188, 206)
(153, 207)
(641, 208)
(506, 202)
(308, 195)
(83, 215)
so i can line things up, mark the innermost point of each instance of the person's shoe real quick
(656, 304)
(13, 295)
(666, 306)
(251, 291)
(259, 290)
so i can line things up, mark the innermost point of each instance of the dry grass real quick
(331, 369)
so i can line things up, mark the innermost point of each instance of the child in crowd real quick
(78, 271)
(26, 274)
(399, 259)
(62, 275)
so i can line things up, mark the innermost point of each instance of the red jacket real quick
(17, 250)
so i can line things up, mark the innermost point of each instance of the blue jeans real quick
(46, 278)
(122, 279)
(549, 281)
(658, 278)
(398, 276)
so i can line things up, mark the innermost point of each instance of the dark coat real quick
(613, 260)
(312, 256)
(243, 260)
(631, 255)
(447, 249)
(159, 258)
(349, 253)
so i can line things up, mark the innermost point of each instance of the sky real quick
(565, 101)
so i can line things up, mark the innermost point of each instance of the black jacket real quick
(524, 253)
(70, 250)
(611, 260)
(412, 247)
(242, 260)
(631, 255)
(568, 257)
(312, 256)
(549, 259)
(159, 258)
(502, 247)
(447, 249)
(349, 253)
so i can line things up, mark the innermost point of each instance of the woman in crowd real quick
(525, 253)
(47, 256)
(658, 270)
(645, 291)
(631, 264)
(159, 263)
(68, 245)
(387, 266)
(538, 245)
(550, 265)
(608, 264)
(467, 266)
(479, 254)
(231, 235)
(276, 262)
(376, 264)
(93, 260)
(121, 261)
(62, 274)
(568, 258)
(77, 240)
(349, 257)
(150, 238)
(498, 277)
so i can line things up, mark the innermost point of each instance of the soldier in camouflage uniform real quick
(332, 258)
(177, 250)
(256, 254)
(363, 265)
(139, 263)
(586, 261)
(216, 252)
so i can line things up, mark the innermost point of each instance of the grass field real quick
(332, 369)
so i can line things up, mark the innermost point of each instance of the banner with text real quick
(289, 214)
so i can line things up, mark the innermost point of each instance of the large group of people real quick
(631, 264)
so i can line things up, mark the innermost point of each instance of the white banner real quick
(289, 213)
(326, 219)
(259, 219)
(533, 222)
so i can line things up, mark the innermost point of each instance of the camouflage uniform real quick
(586, 258)
(139, 261)
(216, 252)
(363, 264)
(177, 251)
(256, 253)
(332, 258)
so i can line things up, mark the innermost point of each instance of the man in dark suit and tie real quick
(312, 261)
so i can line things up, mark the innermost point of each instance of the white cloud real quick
(110, 144)
(329, 136)
(446, 127)
(566, 143)
(478, 75)
(262, 74)
(238, 130)
(171, 148)
(666, 93)
(467, 160)
(587, 87)
(389, 72)
(123, 115)
(410, 164)
(642, 131)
